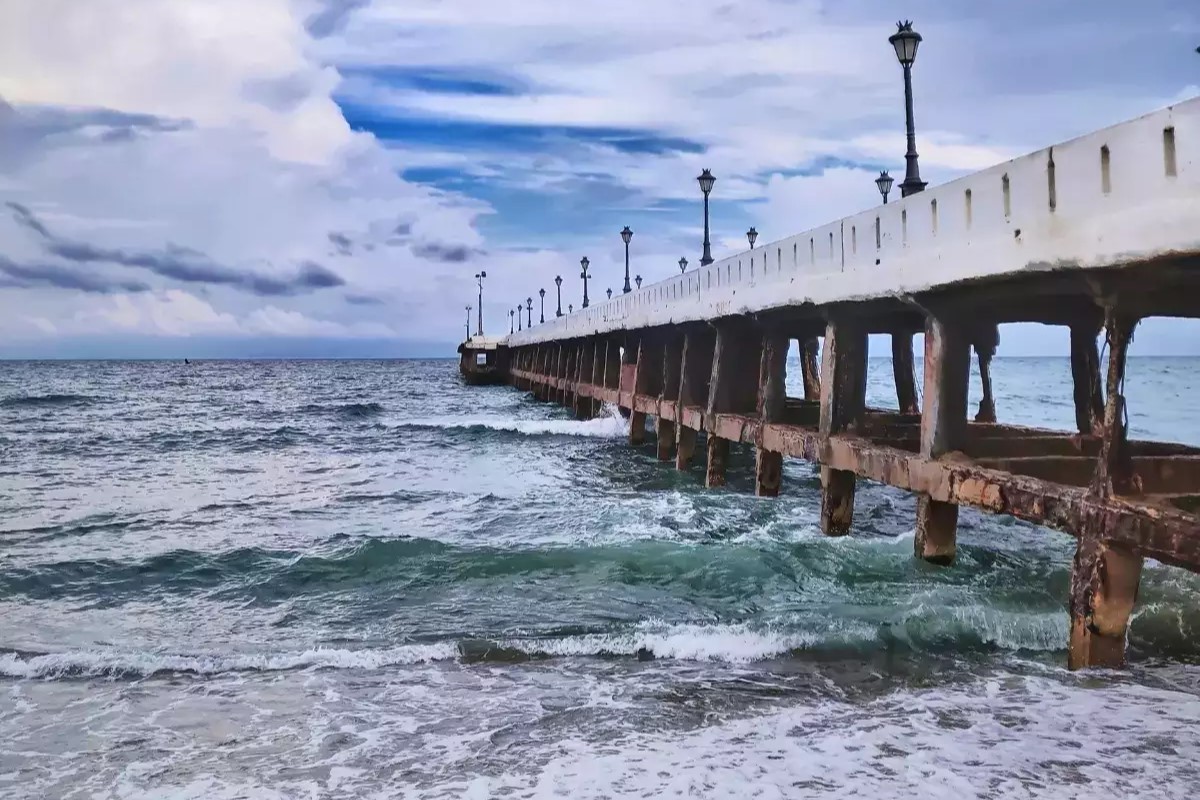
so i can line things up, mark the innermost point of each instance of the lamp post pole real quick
(558, 286)
(626, 235)
(542, 300)
(706, 181)
(468, 323)
(905, 40)
(519, 310)
(752, 236)
(479, 276)
(583, 262)
(529, 312)
(510, 322)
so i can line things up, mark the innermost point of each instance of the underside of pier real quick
(1123, 500)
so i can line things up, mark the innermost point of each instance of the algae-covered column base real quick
(843, 399)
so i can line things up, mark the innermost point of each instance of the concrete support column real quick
(810, 369)
(730, 384)
(772, 395)
(583, 374)
(1104, 588)
(904, 373)
(843, 398)
(986, 342)
(695, 369)
(943, 430)
(597, 376)
(1104, 578)
(1085, 375)
(647, 374)
(669, 398)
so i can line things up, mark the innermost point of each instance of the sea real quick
(364, 579)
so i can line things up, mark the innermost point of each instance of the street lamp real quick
(706, 181)
(609, 293)
(542, 298)
(570, 308)
(529, 312)
(583, 262)
(510, 321)
(638, 281)
(479, 276)
(468, 323)
(752, 236)
(682, 265)
(518, 315)
(884, 182)
(906, 40)
(626, 235)
(558, 286)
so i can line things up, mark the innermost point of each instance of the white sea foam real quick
(609, 425)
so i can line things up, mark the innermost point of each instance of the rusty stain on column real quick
(772, 395)
(693, 391)
(903, 372)
(943, 430)
(843, 399)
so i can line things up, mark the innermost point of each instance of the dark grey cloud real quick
(332, 17)
(402, 229)
(446, 253)
(341, 243)
(182, 264)
(28, 276)
(363, 300)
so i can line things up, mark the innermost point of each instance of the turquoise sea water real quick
(363, 579)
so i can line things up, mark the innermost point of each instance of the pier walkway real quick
(1094, 234)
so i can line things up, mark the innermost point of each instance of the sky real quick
(324, 178)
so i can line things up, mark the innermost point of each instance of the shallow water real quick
(362, 579)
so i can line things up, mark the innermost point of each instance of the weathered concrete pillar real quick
(943, 430)
(672, 365)
(695, 369)
(1085, 375)
(843, 398)
(583, 374)
(904, 373)
(597, 376)
(987, 339)
(643, 364)
(809, 368)
(772, 395)
(1104, 588)
(1114, 470)
(732, 387)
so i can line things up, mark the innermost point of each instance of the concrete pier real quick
(1093, 235)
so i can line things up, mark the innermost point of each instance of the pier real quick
(1094, 234)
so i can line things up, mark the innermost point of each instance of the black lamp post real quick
(626, 235)
(479, 276)
(570, 308)
(519, 315)
(542, 299)
(906, 40)
(510, 321)
(609, 293)
(468, 322)
(638, 281)
(706, 180)
(884, 182)
(752, 236)
(583, 262)
(558, 286)
(682, 265)
(529, 312)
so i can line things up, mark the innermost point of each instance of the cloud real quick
(363, 300)
(53, 276)
(332, 16)
(446, 253)
(180, 263)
